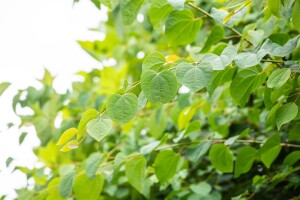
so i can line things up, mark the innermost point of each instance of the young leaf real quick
(92, 164)
(3, 87)
(85, 188)
(99, 128)
(185, 117)
(67, 135)
(159, 87)
(159, 12)
(292, 158)
(135, 170)
(66, 184)
(180, 24)
(278, 78)
(195, 77)
(153, 61)
(270, 150)
(122, 108)
(285, 114)
(86, 117)
(244, 83)
(296, 15)
(165, 165)
(197, 152)
(72, 144)
(244, 160)
(130, 9)
(221, 158)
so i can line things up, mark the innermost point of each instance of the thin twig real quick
(209, 15)
(222, 141)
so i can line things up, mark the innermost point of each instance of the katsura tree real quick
(195, 100)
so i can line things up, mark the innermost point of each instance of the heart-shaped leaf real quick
(99, 128)
(122, 108)
(159, 87)
(195, 77)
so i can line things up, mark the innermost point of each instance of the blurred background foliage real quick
(174, 138)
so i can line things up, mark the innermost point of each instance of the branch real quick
(209, 15)
(223, 140)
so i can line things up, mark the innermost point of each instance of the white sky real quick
(38, 34)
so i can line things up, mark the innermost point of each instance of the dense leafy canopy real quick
(211, 112)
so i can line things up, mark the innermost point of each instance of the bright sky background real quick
(38, 34)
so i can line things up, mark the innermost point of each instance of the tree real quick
(211, 112)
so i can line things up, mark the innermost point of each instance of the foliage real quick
(211, 112)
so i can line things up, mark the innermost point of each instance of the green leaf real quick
(221, 158)
(244, 160)
(222, 61)
(135, 170)
(93, 163)
(296, 15)
(85, 188)
(270, 150)
(159, 87)
(66, 184)
(180, 24)
(72, 144)
(185, 117)
(153, 61)
(274, 6)
(122, 108)
(201, 188)
(244, 83)
(248, 59)
(278, 78)
(8, 161)
(86, 117)
(220, 77)
(166, 165)
(220, 14)
(216, 35)
(99, 128)
(22, 137)
(177, 4)
(142, 101)
(257, 4)
(275, 49)
(67, 135)
(195, 77)
(97, 3)
(3, 87)
(292, 158)
(53, 191)
(159, 12)
(106, 3)
(285, 114)
(130, 9)
(200, 150)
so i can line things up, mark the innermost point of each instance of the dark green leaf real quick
(221, 158)
(180, 24)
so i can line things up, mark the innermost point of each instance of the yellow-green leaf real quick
(67, 135)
